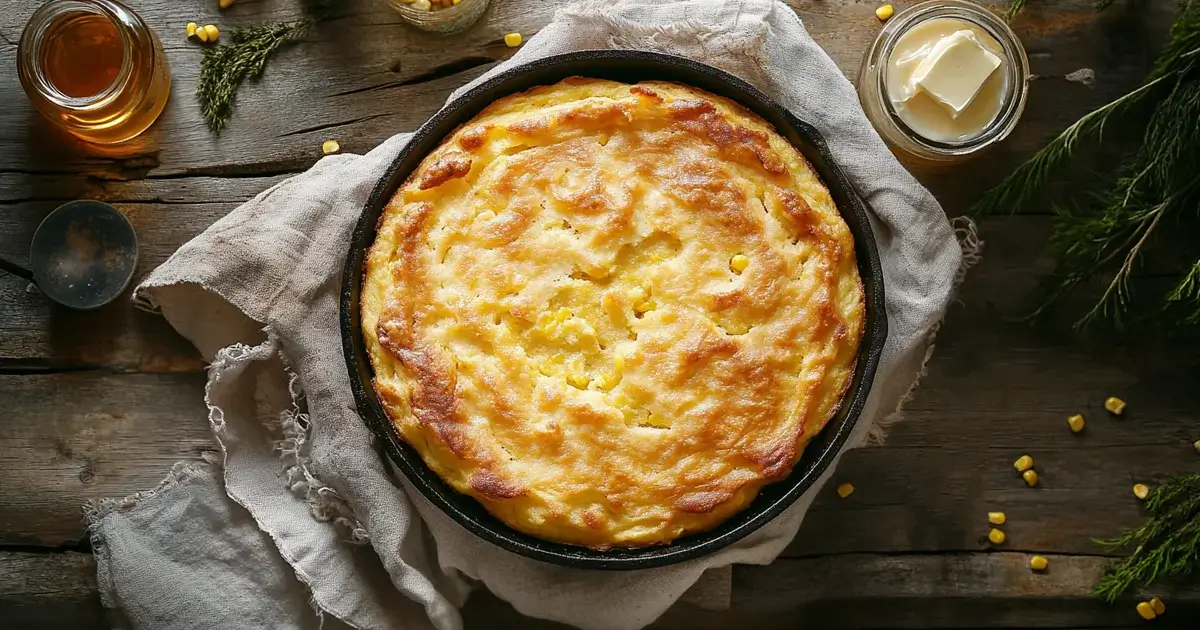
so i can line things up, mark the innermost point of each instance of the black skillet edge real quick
(629, 66)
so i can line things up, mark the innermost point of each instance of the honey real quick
(83, 54)
(94, 68)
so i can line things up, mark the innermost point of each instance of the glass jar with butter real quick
(944, 80)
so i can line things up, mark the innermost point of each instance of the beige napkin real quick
(315, 512)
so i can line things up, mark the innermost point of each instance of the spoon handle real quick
(15, 269)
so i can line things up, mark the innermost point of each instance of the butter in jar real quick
(94, 68)
(944, 80)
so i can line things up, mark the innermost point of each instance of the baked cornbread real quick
(612, 313)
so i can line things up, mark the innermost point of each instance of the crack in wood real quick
(331, 125)
(83, 545)
(20, 367)
(47, 367)
(440, 72)
(241, 171)
(902, 553)
(130, 202)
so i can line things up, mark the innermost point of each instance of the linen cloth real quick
(310, 513)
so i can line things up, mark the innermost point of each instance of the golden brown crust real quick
(555, 325)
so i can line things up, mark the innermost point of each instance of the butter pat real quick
(954, 70)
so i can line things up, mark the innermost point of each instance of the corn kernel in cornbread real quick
(612, 313)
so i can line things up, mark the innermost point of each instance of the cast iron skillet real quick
(628, 66)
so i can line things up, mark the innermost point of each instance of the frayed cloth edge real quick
(967, 236)
(224, 360)
(323, 501)
(96, 510)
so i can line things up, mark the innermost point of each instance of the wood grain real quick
(365, 76)
(102, 404)
(928, 491)
(35, 335)
(994, 590)
(49, 590)
(77, 436)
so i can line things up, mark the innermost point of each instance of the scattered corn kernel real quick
(1146, 610)
(201, 35)
(1196, 445)
(1030, 477)
(456, 2)
(579, 380)
(1038, 563)
(225, 4)
(211, 33)
(845, 490)
(739, 263)
(1158, 605)
(1114, 405)
(608, 381)
(330, 146)
(512, 40)
(191, 29)
(1141, 491)
(1076, 423)
(884, 12)
(1023, 463)
(997, 518)
(997, 537)
(645, 307)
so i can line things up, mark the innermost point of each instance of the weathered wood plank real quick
(994, 590)
(120, 338)
(936, 498)
(75, 436)
(49, 590)
(374, 76)
(994, 391)
(371, 62)
(35, 334)
(16, 188)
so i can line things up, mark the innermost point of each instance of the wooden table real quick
(101, 404)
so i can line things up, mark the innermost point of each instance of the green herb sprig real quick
(1014, 7)
(1104, 232)
(1165, 547)
(227, 66)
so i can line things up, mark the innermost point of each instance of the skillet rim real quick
(774, 498)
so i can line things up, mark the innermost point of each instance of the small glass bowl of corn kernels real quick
(440, 16)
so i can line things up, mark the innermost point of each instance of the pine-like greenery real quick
(226, 66)
(1103, 233)
(1165, 547)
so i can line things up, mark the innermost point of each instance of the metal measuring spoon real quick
(82, 256)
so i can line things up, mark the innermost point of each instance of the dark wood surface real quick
(101, 404)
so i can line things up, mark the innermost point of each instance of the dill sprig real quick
(227, 66)
(1165, 547)
(1014, 7)
(1104, 233)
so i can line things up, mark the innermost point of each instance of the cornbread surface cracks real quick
(555, 324)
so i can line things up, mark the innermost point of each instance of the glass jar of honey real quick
(94, 68)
